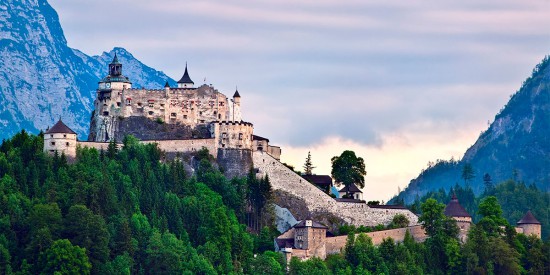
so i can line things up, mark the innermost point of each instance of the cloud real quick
(390, 78)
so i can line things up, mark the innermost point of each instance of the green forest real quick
(122, 211)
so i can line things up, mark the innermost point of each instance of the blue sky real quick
(400, 82)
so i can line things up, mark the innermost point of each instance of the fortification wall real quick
(336, 244)
(234, 162)
(317, 201)
(185, 146)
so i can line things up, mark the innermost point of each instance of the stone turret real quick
(529, 225)
(61, 139)
(462, 217)
(185, 81)
(236, 110)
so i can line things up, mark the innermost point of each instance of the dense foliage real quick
(491, 248)
(122, 211)
(348, 169)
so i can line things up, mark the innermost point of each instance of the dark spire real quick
(185, 79)
(166, 85)
(528, 219)
(236, 94)
(115, 60)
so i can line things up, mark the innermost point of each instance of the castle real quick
(308, 238)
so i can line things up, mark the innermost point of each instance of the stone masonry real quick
(319, 203)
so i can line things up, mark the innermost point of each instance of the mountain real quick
(42, 79)
(515, 146)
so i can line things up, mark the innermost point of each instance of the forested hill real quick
(515, 146)
(123, 211)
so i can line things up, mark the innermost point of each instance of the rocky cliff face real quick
(516, 145)
(42, 79)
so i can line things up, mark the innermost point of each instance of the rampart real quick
(316, 201)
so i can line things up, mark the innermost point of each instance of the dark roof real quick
(320, 180)
(454, 209)
(352, 189)
(314, 224)
(60, 127)
(284, 243)
(166, 85)
(395, 206)
(255, 137)
(349, 200)
(185, 78)
(528, 219)
(115, 60)
(236, 94)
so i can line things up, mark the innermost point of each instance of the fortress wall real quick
(97, 145)
(234, 162)
(337, 244)
(316, 200)
(185, 146)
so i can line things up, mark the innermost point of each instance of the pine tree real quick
(308, 166)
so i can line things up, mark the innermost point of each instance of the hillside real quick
(42, 79)
(515, 146)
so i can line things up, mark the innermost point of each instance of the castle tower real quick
(60, 139)
(311, 236)
(530, 225)
(462, 217)
(185, 81)
(236, 110)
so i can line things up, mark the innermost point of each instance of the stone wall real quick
(234, 162)
(185, 146)
(147, 129)
(335, 245)
(317, 201)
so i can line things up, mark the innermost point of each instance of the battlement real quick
(228, 122)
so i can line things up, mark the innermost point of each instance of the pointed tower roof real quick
(115, 60)
(185, 78)
(60, 128)
(528, 219)
(166, 85)
(454, 209)
(236, 94)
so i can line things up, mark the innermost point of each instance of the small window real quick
(64, 136)
(139, 104)
(184, 116)
(240, 136)
(200, 113)
(52, 143)
(128, 101)
(219, 116)
(105, 113)
(118, 104)
(67, 144)
(162, 105)
(202, 120)
(224, 135)
(151, 104)
(173, 114)
(151, 113)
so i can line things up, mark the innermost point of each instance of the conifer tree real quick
(308, 165)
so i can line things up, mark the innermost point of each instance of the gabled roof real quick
(528, 219)
(314, 224)
(185, 78)
(352, 189)
(60, 128)
(454, 209)
(320, 180)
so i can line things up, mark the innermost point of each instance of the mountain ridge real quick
(42, 79)
(514, 146)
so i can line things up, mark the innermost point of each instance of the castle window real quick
(173, 115)
(67, 144)
(219, 116)
(151, 104)
(202, 120)
(200, 113)
(151, 113)
(105, 113)
(51, 136)
(118, 104)
(128, 101)
(240, 136)
(162, 105)
(221, 103)
(139, 104)
(184, 116)
(64, 136)
(52, 143)
(224, 135)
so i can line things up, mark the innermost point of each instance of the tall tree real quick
(308, 165)
(488, 182)
(468, 173)
(348, 169)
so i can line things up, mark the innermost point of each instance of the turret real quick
(115, 79)
(185, 81)
(529, 225)
(61, 139)
(463, 218)
(236, 108)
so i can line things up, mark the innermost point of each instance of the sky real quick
(400, 83)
